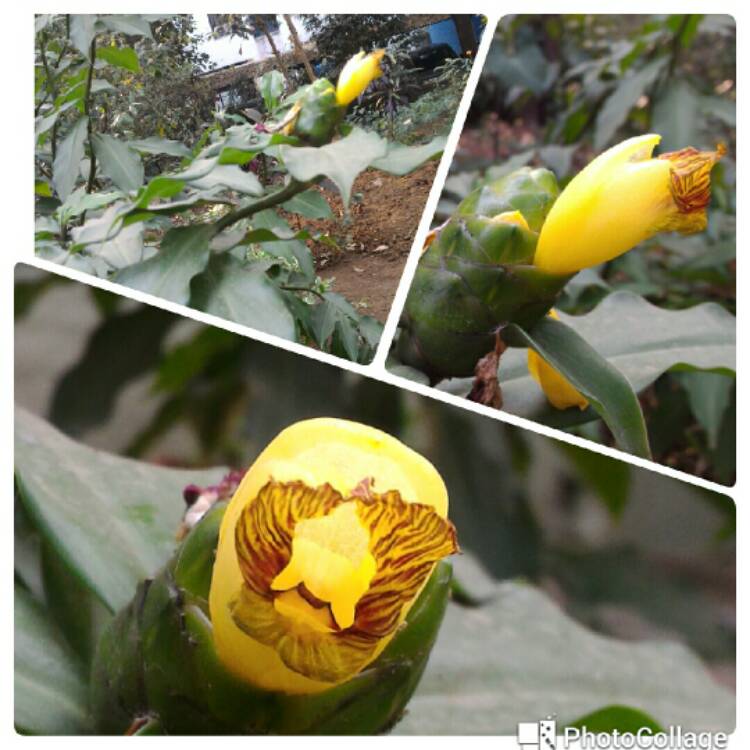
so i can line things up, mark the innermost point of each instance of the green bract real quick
(478, 276)
(319, 113)
(156, 665)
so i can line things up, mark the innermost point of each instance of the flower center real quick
(330, 565)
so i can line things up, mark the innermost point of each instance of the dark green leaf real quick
(639, 339)
(242, 294)
(311, 204)
(519, 658)
(154, 145)
(621, 101)
(50, 691)
(130, 25)
(82, 31)
(129, 342)
(183, 254)
(608, 477)
(69, 155)
(709, 395)
(122, 165)
(606, 388)
(111, 520)
(675, 116)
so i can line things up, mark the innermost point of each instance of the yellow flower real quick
(623, 197)
(323, 549)
(357, 74)
(559, 392)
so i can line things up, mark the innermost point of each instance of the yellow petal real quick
(316, 452)
(558, 390)
(406, 540)
(357, 75)
(621, 198)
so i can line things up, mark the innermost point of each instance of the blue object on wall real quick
(444, 32)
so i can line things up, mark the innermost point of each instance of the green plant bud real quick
(319, 114)
(157, 663)
(478, 276)
(528, 190)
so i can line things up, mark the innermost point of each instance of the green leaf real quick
(291, 248)
(69, 155)
(271, 87)
(183, 254)
(621, 718)
(78, 614)
(159, 187)
(520, 658)
(130, 25)
(621, 101)
(79, 201)
(341, 161)
(310, 204)
(709, 396)
(121, 57)
(675, 116)
(122, 165)
(608, 477)
(154, 145)
(242, 294)
(605, 387)
(111, 520)
(641, 340)
(344, 159)
(50, 691)
(401, 160)
(232, 177)
(130, 342)
(99, 84)
(82, 31)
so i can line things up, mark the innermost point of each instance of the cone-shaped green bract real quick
(157, 662)
(478, 275)
(319, 113)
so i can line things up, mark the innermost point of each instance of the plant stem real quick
(288, 288)
(268, 201)
(87, 112)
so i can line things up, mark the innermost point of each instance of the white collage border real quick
(17, 247)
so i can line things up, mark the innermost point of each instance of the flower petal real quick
(264, 531)
(326, 657)
(406, 540)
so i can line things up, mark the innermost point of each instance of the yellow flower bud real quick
(357, 74)
(623, 197)
(323, 549)
(559, 392)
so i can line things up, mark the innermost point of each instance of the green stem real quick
(288, 288)
(269, 201)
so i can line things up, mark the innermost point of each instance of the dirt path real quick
(373, 248)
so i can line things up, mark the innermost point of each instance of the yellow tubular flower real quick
(357, 75)
(323, 549)
(623, 197)
(558, 390)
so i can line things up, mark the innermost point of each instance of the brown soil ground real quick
(373, 246)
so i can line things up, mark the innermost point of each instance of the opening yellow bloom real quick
(357, 75)
(558, 390)
(623, 197)
(325, 546)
